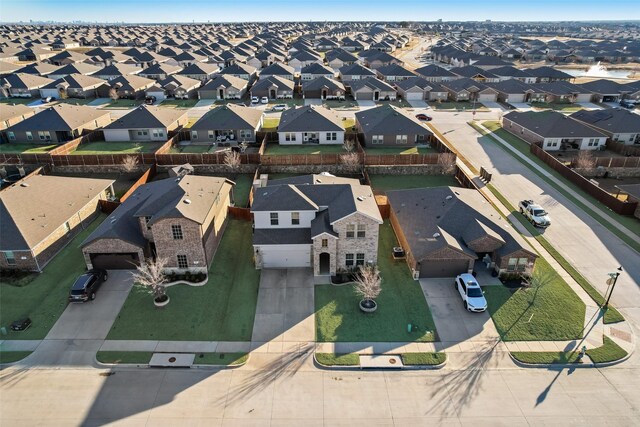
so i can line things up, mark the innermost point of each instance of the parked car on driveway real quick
(279, 107)
(628, 104)
(86, 286)
(264, 100)
(471, 293)
(534, 213)
(254, 100)
(423, 117)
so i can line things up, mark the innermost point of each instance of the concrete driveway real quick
(285, 309)
(456, 325)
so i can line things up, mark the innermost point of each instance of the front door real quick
(272, 94)
(221, 94)
(324, 94)
(376, 95)
(325, 264)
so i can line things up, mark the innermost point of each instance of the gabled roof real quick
(229, 116)
(434, 71)
(315, 68)
(309, 118)
(199, 68)
(394, 70)
(76, 68)
(225, 82)
(389, 120)
(613, 120)
(356, 70)
(76, 81)
(160, 69)
(266, 82)
(147, 117)
(131, 82)
(603, 86)
(24, 81)
(277, 69)
(551, 124)
(321, 82)
(511, 86)
(239, 69)
(60, 117)
(372, 83)
(550, 72)
(9, 111)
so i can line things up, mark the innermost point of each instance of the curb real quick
(359, 368)
(100, 365)
(568, 365)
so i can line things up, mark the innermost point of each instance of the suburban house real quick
(466, 89)
(58, 124)
(315, 70)
(338, 58)
(179, 219)
(435, 73)
(323, 88)
(116, 70)
(21, 85)
(301, 59)
(279, 70)
(619, 125)
(42, 213)
(553, 131)
(131, 86)
(548, 74)
(371, 90)
(12, 114)
(633, 195)
(419, 89)
(76, 86)
(319, 221)
(393, 73)
(444, 230)
(355, 72)
(374, 58)
(273, 87)
(202, 71)
(174, 86)
(475, 73)
(159, 71)
(605, 90)
(75, 68)
(145, 124)
(561, 92)
(390, 126)
(223, 87)
(511, 72)
(241, 71)
(231, 122)
(310, 125)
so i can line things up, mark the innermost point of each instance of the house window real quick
(44, 135)
(332, 136)
(351, 231)
(348, 260)
(522, 264)
(143, 133)
(157, 133)
(512, 264)
(147, 219)
(359, 259)
(295, 218)
(9, 257)
(210, 134)
(182, 261)
(377, 139)
(11, 135)
(325, 243)
(176, 231)
(29, 136)
(401, 139)
(274, 218)
(194, 134)
(289, 136)
(245, 134)
(361, 231)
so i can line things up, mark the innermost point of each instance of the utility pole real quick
(611, 281)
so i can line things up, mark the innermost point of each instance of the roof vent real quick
(448, 197)
(24, 184)
(361, 198)
(436, 235)
(187, 201)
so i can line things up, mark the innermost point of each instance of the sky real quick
(315, 10)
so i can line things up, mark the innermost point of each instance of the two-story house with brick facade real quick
(179, 219)
(319, 221)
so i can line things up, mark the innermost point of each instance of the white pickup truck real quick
(534, 213)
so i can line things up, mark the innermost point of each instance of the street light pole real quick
(613, 278)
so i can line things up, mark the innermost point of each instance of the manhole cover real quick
(172, 359)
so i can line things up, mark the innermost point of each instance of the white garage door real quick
(363, 96)
(286, 256)
(583, 97)
(515, 97)
(45, 93)
(489, 97)
(414, 96)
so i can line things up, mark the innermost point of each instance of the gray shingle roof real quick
(389, 120)
(309, 118)
(60, 117)
(610, 120)
(551, 124)
(230, 116)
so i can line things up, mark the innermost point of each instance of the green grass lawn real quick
(242, 189)
(551, 313)
(339, 319)
(291, 102)
(334, 104)
(399, 150)
(75, 101)
(23, 101)
(400, 182)
(13, 356)
(397, 103)
(117, 147)
(221, 310)
(221, 359)
(332, 359)
(629, 222)
(179, 103)
(191, 149)
(17, 147)
(423, 358)
(608, 352)
(459, 106)
(44, 298)
(123, 104)
(132, 357)
(557, 107)
(277, 149)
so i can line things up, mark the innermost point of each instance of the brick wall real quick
(190, 245)
(331, 249)
(367, 245)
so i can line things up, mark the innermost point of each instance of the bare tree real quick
(368, 282)
(351, 161)
(349, 145)
(150, 275)
(232, 160)
(448, 162)
(130, 164)
(113, 93)
(584, 160)
(536, 279)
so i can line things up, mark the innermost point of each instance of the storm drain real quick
(172, 360)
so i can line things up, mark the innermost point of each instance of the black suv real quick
(86, 285)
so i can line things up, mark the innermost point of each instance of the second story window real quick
(351, 231)
(295, 218)
(361, 231)
(274, 218)
(176, 231)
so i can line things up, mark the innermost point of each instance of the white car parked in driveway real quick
(471, 293)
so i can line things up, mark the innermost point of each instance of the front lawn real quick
(552, 312)
(566, 108)
(25, 148)
(334, 104)
(277, 149)
(458, 106)
(44, 297)
(221, 310)
(23, 101)
(192, 149)
(179, 103)
(13, 356)
(132, 357)
(399, 150)
(123, 104)
(401, 182)
(117, 147)
(332, 359)
(609, 351)
(339, 319)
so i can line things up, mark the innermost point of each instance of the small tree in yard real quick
(232, 160)
(130, 164)
(349, 145)
(448, 162)
(113, 93)
(351, 161)
(584, 160)
(151, 276)
(367, 285)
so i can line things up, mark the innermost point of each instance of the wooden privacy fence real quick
(243, 214)
(146, 177)
(609, 200)
(618, 162)
(626, 150)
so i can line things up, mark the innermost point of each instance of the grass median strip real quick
(611, 315)
(128, 357)
(629, 222)
(428, 359)
(609, 351)
(332, 359)
(13, 356)
(409, 359)
(221, 359)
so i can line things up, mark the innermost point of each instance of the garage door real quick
(585, 97)
(124, 261)
(414, 96)
(449, 268)
(515, 97)
(363, 96)
(45, 93)
(489, 97)
(286, 256)
(609, 99)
